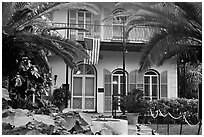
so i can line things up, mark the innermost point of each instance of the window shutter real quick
(132, 80)
(96, 27)
(164, 85)
(139, 80)
(107, 90)
(72, 23)
(107, 28)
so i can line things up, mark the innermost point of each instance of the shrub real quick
(59, 96)
(134, 102)
(177, 107)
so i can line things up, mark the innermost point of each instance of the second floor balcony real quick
(106, 33)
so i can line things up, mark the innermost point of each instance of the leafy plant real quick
(176, 107)
(134, 102)
(59, 96)
(25, 122)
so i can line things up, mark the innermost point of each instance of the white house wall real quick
(112, 60)
(58, 68)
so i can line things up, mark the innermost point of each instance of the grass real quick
(175, 129)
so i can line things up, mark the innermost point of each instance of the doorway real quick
(84, 88)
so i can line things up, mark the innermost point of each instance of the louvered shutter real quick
(132, 80)
(139, 80)
(96, 27)
(72, 23)
(107, 90)
(164, 86)
(107, 28)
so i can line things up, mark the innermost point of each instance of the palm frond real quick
(78, 5)
(20, 5)
(162, 47)
(7, 10)
(22, 17)
(193, 10)
(76, 48)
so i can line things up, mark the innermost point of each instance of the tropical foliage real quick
(178, 25)
(28, 32)
(177, 108)
(134, 102)
(178, 33)
(28, 38)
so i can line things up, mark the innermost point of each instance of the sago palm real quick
(28, 32)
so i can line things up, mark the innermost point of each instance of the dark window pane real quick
(147, 79)
(154, 80)
(154, 90)
(150, 73)
(121, 89)
(118, 72)
(147, 90)
(122, 80)
(115, 89)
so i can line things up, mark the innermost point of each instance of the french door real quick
(83, 89)
(113, 84)
(151, 86)
(118, 86)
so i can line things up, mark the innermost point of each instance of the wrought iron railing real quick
(106, 32)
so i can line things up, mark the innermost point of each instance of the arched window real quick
(118, 82)
(151, 85)
(84, 87)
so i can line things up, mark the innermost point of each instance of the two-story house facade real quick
(92, 86)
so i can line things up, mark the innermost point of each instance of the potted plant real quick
(135, 105)
(59, 97)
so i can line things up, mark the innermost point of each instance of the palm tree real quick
(178, 25)
(178, 33)
(29, 35)
(27, 30)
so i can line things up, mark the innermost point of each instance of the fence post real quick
(199, 127)
(168, 128)
(181, 128)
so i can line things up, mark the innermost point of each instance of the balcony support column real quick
(124, 50)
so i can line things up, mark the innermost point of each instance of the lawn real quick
(175, 129)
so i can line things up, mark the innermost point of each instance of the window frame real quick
(150, 76)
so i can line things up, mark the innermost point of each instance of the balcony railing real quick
(106, 33)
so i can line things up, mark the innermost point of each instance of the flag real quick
(92, 46)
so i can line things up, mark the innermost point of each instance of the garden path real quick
(140, 130)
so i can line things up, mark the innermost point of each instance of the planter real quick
(132, 118)
(117, 125)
